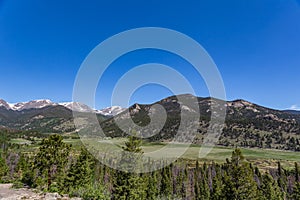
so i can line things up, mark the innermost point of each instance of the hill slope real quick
(247, 124)
(49, 119)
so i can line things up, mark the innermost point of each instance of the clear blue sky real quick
(255, 44)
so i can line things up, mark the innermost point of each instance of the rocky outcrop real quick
(8, 193)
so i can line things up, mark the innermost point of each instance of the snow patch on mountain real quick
(27, 105)
(111, 111)
(77, 107)
(33, 104)
(74, 106)
(4, 104)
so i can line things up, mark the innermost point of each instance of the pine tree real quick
(3, 168)
(196, 181)
(204, 189)
(237, 157)
(130, 186)
(166, 185)
(270, 189)
(24, 171)
(93, 191)
(132, 153)
(282, 181)
(296, 192)
(152, 186)
(217, 189)
(197, 190)
(203, 182)
(20, 167)
(81, 172)
(217, 184)
(239, 181)
(52, 158)
(184, 184)
(296, 172)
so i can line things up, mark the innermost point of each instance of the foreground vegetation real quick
(56, 167)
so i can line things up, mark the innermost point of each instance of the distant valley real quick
(246, 125)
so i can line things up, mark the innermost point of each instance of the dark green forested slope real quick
(56, 167)
(246, 124)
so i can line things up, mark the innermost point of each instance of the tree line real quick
(56, 167)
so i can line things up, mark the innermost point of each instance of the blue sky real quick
(255, 44)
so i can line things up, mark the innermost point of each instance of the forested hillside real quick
(57, 167)
(246, 124)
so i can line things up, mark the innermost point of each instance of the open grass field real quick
(20, 141)
(263, 158)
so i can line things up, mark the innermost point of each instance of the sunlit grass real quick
(263, 158)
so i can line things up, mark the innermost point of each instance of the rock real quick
(9, 193)
(52, 196)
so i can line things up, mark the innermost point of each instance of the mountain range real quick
(74, 106)
(46, 116)
(247, 124)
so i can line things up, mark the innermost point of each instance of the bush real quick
(90, 192)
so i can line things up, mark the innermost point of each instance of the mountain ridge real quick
(74, 106)
(246, 124)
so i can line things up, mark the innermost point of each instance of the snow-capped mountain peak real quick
(27, 105)
(111, 111)
(32, 104)
(74, 106)
(78, 107)
(4, 104)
